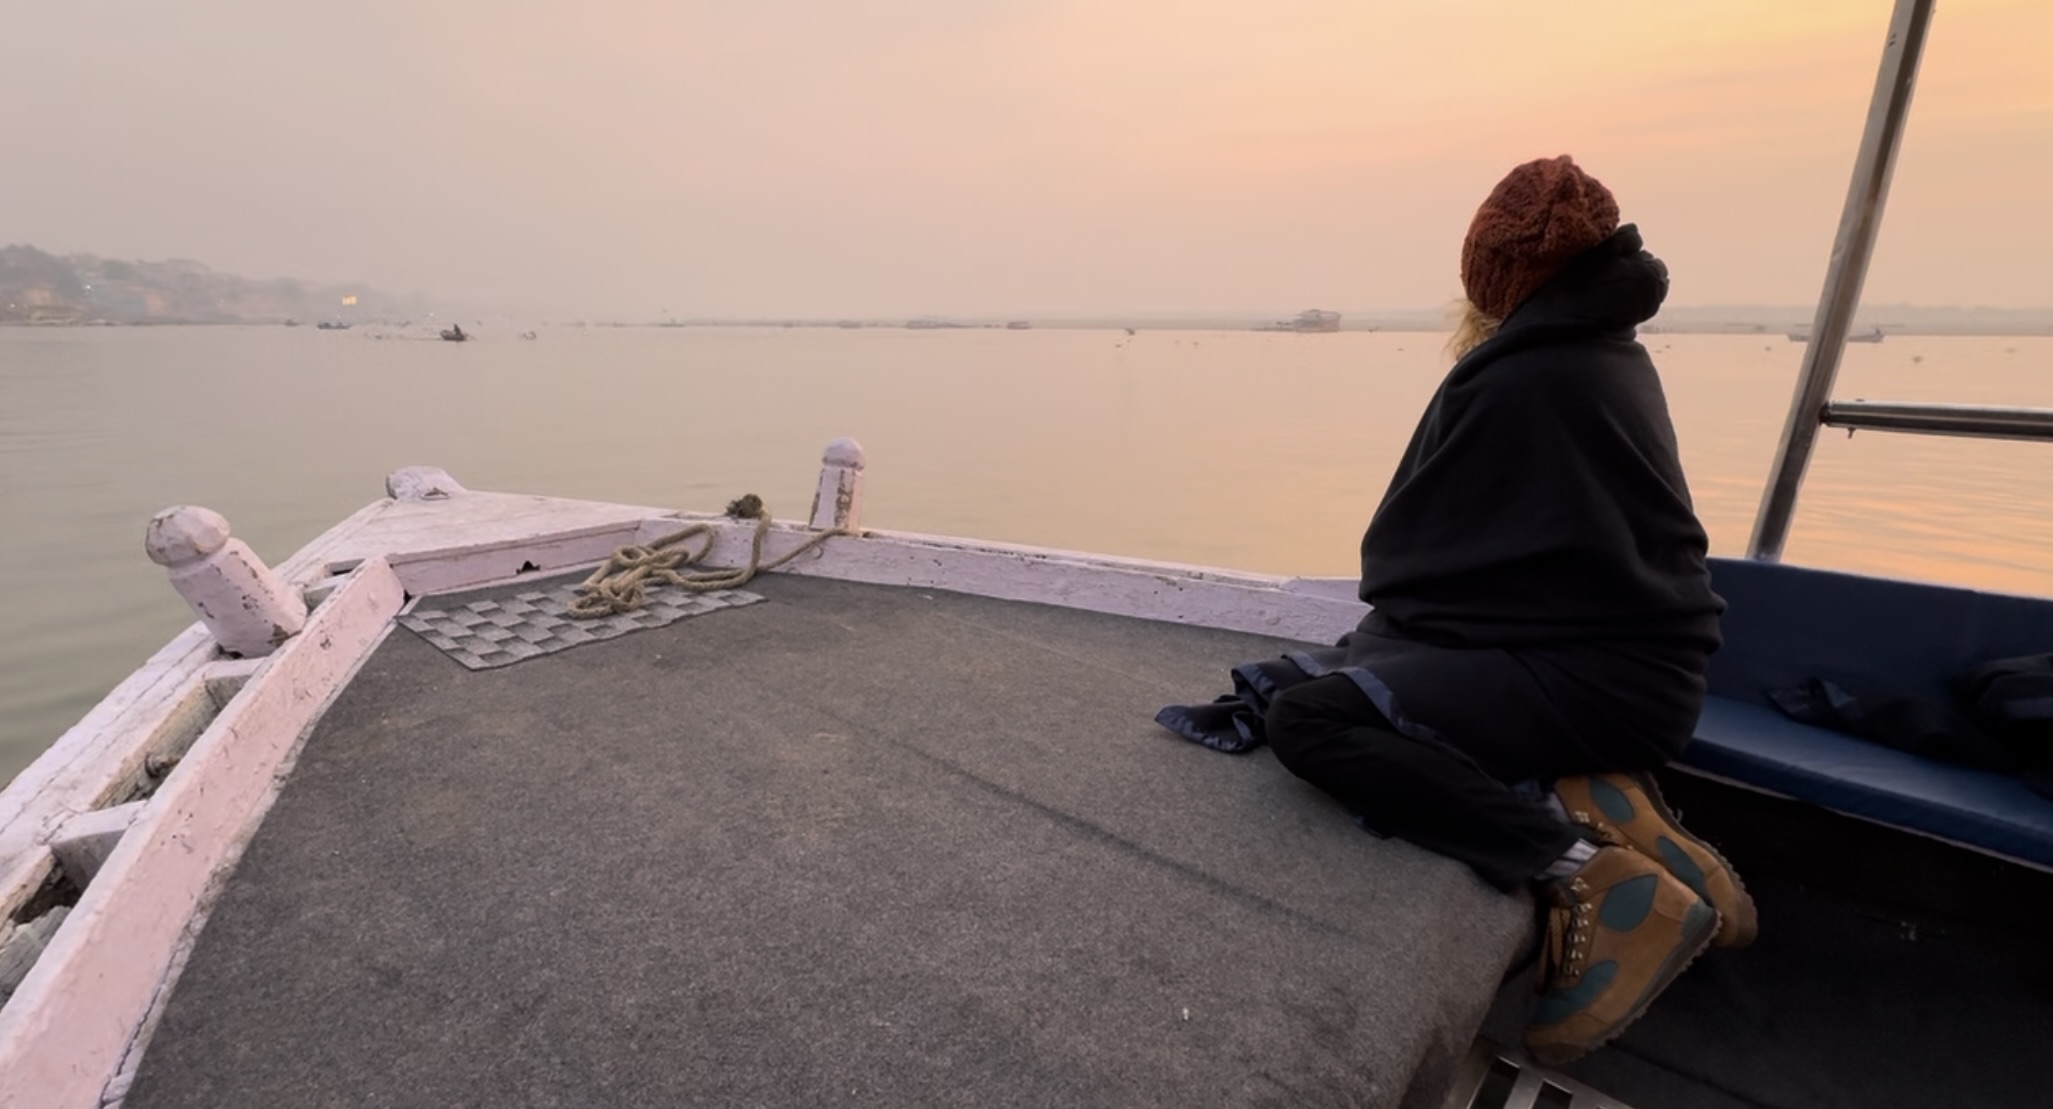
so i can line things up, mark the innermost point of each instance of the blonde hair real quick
(1471, 327)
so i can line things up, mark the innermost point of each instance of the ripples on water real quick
(1255, 451)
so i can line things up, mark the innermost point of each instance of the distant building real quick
(1309, 322)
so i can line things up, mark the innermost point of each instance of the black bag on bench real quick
(2002, 718)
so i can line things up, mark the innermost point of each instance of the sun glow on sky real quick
(801, 156)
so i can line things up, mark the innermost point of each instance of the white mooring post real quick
(248, 610)
(421, 483)
(839, 501)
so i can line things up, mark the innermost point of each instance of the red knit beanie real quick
(1541, 215)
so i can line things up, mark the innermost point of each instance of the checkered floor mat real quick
(486, 634)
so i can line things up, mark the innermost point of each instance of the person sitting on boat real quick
(1543, 618)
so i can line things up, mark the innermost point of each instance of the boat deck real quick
(853, 845)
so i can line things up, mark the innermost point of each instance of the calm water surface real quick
(1262, 452)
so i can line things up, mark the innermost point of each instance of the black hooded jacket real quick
(1536, 568)
(1541, 501)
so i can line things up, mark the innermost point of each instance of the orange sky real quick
(903, 156)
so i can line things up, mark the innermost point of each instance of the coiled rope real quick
(621, 585)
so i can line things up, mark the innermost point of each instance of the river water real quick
(1254, 451)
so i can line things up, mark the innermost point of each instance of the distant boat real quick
(1311, 322)
(1872, 335)
(332, 325)
(1019, 325)
(454, 334)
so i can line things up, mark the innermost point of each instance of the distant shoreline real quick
(1776, 331)
(1403, 326)
(39, 289)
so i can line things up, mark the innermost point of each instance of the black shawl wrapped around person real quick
(1536, 558)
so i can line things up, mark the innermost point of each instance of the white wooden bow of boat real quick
(131, 826)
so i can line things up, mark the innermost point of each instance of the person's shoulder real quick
(1584, 358)
(1586, 369)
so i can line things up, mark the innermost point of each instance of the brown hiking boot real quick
(1626, 810)
(1620, 930)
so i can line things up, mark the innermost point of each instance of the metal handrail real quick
(1976, 421)
(1855, 244)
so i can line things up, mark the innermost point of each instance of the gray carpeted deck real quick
(853, 845)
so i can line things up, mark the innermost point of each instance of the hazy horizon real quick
(1411, 313)
(1006, 157)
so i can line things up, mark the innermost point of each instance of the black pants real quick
(1449, 800)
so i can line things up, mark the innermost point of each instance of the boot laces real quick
(1566, 947)
(1602, 828)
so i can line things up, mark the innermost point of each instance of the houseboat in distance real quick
(1310, 322)
(1871, 335)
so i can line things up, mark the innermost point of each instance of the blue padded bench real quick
(1787, 624)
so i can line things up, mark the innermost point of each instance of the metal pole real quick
(1858, 222)
(1972, 421)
